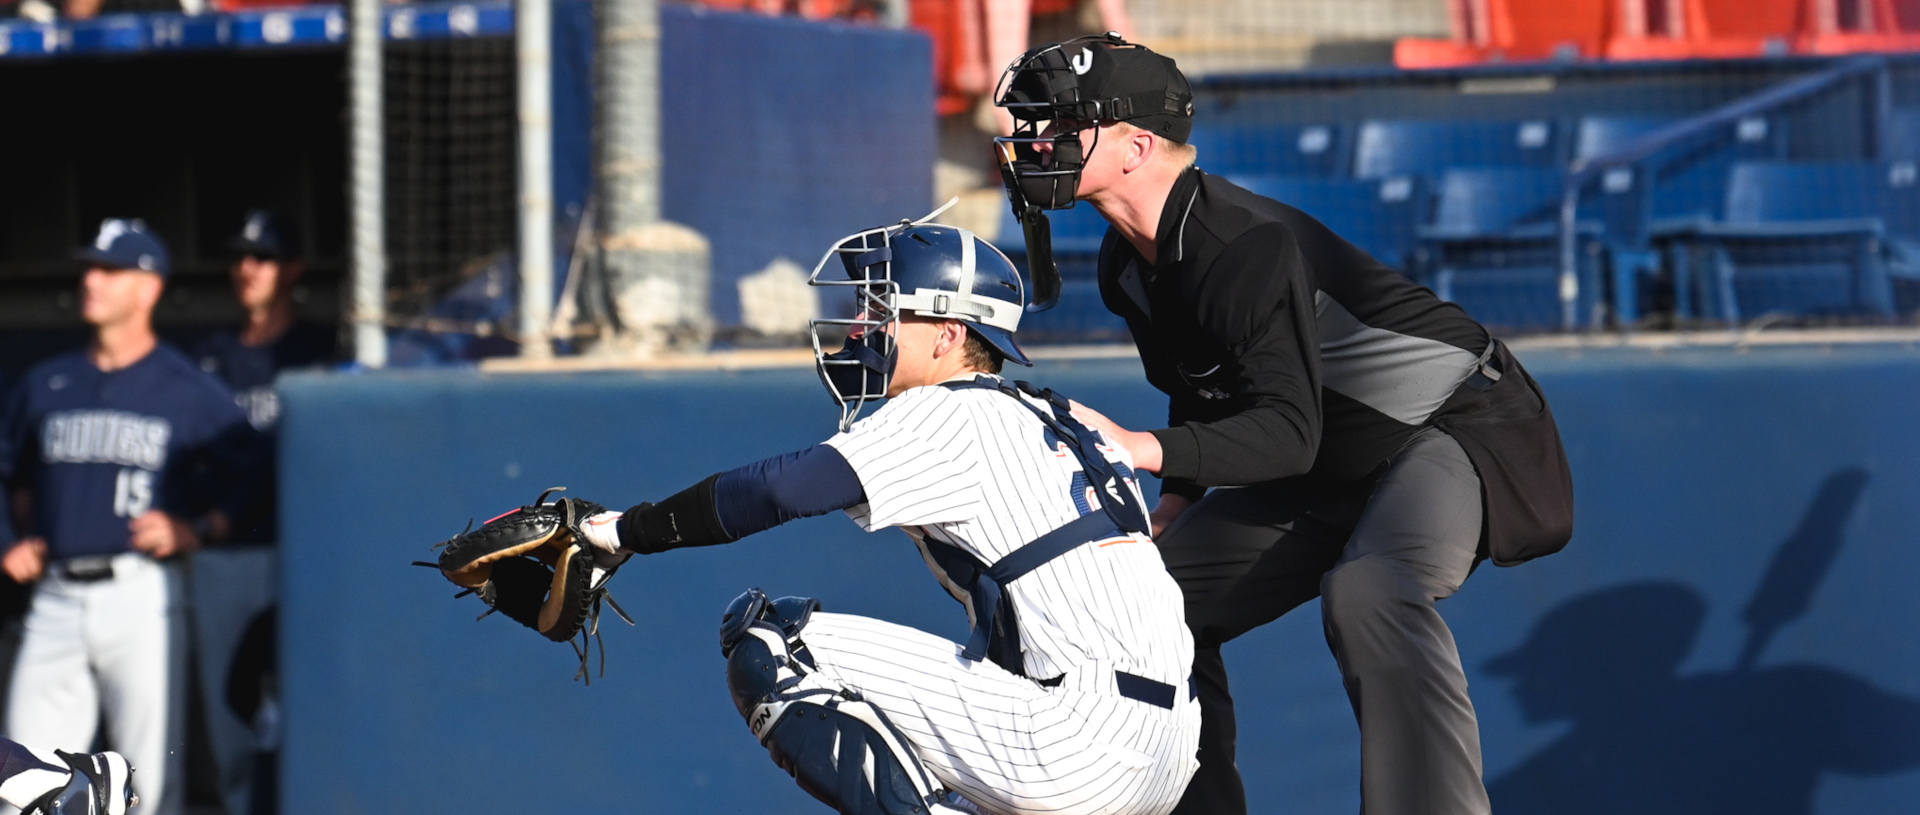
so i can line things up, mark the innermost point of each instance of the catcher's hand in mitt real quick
(544, 566)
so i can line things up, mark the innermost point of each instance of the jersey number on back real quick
(1084, 497)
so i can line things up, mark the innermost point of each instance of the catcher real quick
(1071, 695)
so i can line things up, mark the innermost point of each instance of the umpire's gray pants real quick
(1379, 559)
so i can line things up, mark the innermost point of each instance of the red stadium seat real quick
(1704, 29)
(241, 5)
(1861, 26)
(1511, 31)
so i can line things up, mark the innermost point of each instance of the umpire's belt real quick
(1137, 688)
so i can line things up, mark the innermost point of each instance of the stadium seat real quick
(1080, 316)
(1381, 216)
(1511, 31)
(1231, 148)
(1598, 135)
(1494, 247)
(1670, 192)
(1390, 148)
(1076, 231)
(1814, 239)
(1903, 135)
(1479, 201)
(1860, 26)
(1704, 29)
(1690, 178)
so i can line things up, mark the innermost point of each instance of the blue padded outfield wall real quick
(1733, 628)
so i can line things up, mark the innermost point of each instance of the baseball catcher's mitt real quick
(528, 565)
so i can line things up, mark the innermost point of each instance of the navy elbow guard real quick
(687, 518)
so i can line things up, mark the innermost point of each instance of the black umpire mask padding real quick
(1042, 272)
(861, 369)
(1034, 179)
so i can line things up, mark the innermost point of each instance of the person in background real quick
(234, 585)
(267, 265)
(130, 458)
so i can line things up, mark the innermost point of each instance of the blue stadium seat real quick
(1480, 201)
(1381, 216)
(1493, 247)
(1903, 135)
(1251, 148)
(1080, 316)
(1599, 135)
(1690, 182)
(1686, 188)
(1812, 239)
(1076, 231)
(1388, 148)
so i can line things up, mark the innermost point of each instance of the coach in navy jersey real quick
(132, 457)
(1383, 442)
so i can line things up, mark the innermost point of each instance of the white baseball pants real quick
(114, 646)
(1005, 742)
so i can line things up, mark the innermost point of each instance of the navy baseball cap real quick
(265, 235)
(125, 243)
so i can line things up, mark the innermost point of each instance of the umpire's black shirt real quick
(1290, 353)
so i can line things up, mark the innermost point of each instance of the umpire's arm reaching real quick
(1254, 300)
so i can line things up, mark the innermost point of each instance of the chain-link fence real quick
(1605, 165)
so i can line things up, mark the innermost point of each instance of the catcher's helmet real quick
(928, 269)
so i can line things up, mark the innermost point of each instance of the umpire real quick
(1382, 442)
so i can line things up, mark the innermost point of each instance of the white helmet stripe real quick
(967, 263)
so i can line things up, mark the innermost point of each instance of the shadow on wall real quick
(1648, 740)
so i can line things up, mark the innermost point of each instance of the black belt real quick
(1137, 688)
(90, 569)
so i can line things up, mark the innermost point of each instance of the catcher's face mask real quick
(912, 268)
(859, 372)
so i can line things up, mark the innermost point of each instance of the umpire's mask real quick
(1077, 84)
(1073, 86)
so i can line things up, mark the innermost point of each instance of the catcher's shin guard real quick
(840, 748)
(101, 785)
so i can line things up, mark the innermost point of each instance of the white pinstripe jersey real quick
(973, 469)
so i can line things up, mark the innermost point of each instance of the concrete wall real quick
(1731, 629)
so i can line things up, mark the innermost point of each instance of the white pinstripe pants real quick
(1006, 743)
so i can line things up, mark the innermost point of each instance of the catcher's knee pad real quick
(761, 639)
(840, 748)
